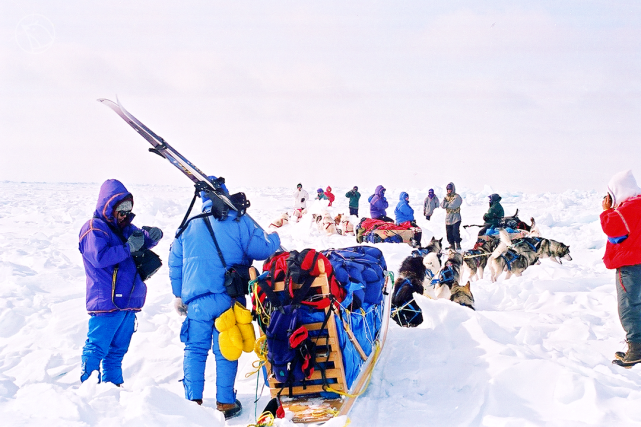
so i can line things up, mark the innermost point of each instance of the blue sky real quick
(530, 96)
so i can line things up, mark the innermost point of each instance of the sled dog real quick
(327, 224)
(463, 295)
(346, 227)
(448, 275)
(514, 259)
(476, 259)
(280, 221)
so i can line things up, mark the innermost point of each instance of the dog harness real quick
(509, 257)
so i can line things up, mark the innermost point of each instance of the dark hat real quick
(320, 190)
(449, 186)
(355, 187)
(431, 191)
(299, 185)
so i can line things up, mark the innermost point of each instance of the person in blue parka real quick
(197, 280)
(403, 211)
(115, 291)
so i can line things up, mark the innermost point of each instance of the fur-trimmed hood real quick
(623, 186)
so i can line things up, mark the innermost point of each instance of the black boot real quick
(631, 357)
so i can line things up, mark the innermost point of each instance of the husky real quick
(476, 259)
(327, 225)
(434, 245)
(514, 259)
(462, 295)
(554, 250)
(346, 227)
(413, 277)
(280, 221)
(547, 248)
(448, 275)
(298, 213)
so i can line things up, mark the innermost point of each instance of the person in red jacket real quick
(330, 195)
(621, 222)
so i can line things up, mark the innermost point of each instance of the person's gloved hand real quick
(180, 307)
(155, 233)
(136, 240)
(302, 200)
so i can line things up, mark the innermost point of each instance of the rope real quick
(266, 419)
(475, 256)
(260, 348)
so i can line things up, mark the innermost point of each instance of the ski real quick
(166, 151)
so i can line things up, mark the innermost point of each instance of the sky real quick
(515, 95)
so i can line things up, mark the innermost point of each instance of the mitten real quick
(136, 240)
(155, 233)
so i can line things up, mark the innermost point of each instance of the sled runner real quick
(336, 344)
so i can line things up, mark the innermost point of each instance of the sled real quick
(405, 235)
(305, 400)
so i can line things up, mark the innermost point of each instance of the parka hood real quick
(112, 192)
(328, 189)
(453, 187)
(403, 196)
(494, 198)
(380, 190)
(623, 186)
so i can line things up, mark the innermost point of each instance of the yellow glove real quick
(244, 321)
(231, 343)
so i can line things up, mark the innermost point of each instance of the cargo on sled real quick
(376, 231)
(323, 319)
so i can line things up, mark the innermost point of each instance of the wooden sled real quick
(306, 403)
(406, 235)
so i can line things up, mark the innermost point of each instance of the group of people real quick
(210, 242)
(199, 258)
(404, 212)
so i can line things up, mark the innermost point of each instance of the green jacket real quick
(494, 214)
(354, 197)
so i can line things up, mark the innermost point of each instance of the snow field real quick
(536, 351)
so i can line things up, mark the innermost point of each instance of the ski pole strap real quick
(213, 236)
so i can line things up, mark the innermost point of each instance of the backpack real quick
(302, 267)
(364, 265)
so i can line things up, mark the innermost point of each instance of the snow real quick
(537, 351)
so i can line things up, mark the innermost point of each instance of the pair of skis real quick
(166, 151)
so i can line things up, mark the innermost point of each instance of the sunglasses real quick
(123, 213)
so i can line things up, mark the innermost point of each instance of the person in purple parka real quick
(378, 204)
(115, 291)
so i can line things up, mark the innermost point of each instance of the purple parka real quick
(112, 281)
(378, 203)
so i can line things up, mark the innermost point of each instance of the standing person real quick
(197, 275)
(378, 204)
(115, 291)
(621, 222)
(452, 205)
(430, 204)
(330, 196)
(354, 197)
(494, 214)
(300, 201)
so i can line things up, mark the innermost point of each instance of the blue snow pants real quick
(198, 333)
(108, 340)
(628, 280)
